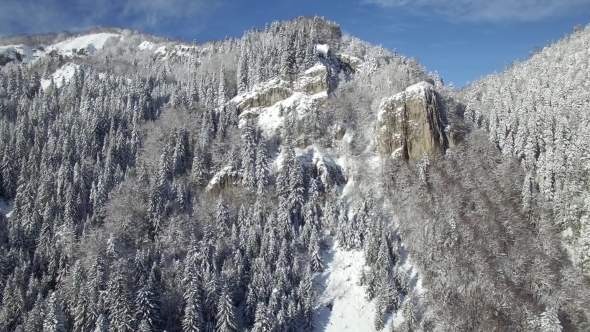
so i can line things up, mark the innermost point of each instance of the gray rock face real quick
(264, 95)
(313, 80)
(410, 124)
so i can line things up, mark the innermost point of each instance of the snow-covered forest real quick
(268, 183)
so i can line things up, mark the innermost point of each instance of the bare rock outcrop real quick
(411, 124)
(314, 80)
(264, 95)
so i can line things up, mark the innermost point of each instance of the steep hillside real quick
(536, 112)
(293, 179)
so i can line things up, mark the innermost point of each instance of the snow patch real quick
(87, 45)
(322, 50)
(341, 303)
(146, 45)
(318, 68)
(161, 51)
(419, 87)
(27, 54)
(354, 62)
(257, 90)
(63, 74)
(179, 51)
(272, 118)
(90, 43)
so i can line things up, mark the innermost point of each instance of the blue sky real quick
(461, 39)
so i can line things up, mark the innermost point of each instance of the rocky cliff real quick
(411, 124)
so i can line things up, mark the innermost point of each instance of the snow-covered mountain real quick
(292, 179)
(77, 46)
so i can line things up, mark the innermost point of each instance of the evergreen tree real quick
(249, 174)
(192, 320)
(199, 167)
(35, 317)
(262, 171)
(263, 322)
(242, 70)
(102, 324)
(316, 262)
(250, 309)
(82, 311)
(54, 318)
(121, 316)
(226, 317)
(146, 308)
(222, 217)
(13, 302)
(549, 322)
(144, 326)
(223, 93)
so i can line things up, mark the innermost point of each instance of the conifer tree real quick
(34, 320)
(249, 162)
(82, 310)
(54, 318)
(199, 168)
(315, 259)
(13, 301)
(263, 322)
(146, 308)
(223, 94)
(121, 316)
(242, 70)
(226, 316)
(192, 320)
(102, 324)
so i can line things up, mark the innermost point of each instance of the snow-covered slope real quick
(342, 303)
(90, 43)
(60, 76)
(179, 51)
(146, 45)
(21, 53)
(82, 45)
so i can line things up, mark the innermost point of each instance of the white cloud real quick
(150, 13)
(33, 16)
(486, 10)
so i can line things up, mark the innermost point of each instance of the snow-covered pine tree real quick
(226, 316)
(54, 318)
(262, 171)
(316, 262)
(248, 156)
(121, 318)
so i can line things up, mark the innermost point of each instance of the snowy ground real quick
(339, 287)
(62, 75)
(90, 43)
(341, 300)
(29, 54)
(146, 45)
